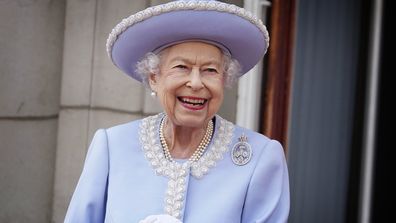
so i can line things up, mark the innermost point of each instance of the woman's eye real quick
(211, 70)
(180, 66)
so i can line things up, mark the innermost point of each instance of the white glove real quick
(162, 218)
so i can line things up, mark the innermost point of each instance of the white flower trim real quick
(177, 172)
(174, 198)
(180, 6)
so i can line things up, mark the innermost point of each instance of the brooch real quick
(241, 152)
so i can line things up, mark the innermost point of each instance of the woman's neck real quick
(182, 141)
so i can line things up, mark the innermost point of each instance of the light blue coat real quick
(125, 179)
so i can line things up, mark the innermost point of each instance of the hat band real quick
(219, 45)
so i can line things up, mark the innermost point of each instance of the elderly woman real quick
(186, 164)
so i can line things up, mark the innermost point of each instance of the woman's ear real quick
(153, 82)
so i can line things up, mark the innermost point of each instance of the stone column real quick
(94, 93)
(31, 43)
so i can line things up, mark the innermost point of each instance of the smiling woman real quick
(186, 164)
(190, 83)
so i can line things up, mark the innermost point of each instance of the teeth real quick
(193, 101)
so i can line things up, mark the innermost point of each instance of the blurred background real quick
(320, 90)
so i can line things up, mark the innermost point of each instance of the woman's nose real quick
(195, 81)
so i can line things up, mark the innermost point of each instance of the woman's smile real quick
(192, 103)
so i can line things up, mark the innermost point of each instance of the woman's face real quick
(190, 84)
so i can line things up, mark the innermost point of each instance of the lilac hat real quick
(227, 26)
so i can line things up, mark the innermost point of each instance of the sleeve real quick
(268, 196)
(88, 203)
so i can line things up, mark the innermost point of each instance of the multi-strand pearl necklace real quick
(200, 149)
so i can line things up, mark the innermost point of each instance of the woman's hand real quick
(162, 218)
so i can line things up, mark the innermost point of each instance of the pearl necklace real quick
(200, 149)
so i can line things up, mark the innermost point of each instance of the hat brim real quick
(244, 40)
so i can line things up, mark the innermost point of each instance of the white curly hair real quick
(151, 61)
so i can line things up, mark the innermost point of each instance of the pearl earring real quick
(153, 94)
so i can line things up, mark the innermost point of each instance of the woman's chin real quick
(185, 116)
(193, 122)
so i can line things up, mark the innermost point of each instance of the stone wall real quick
(31, 44)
